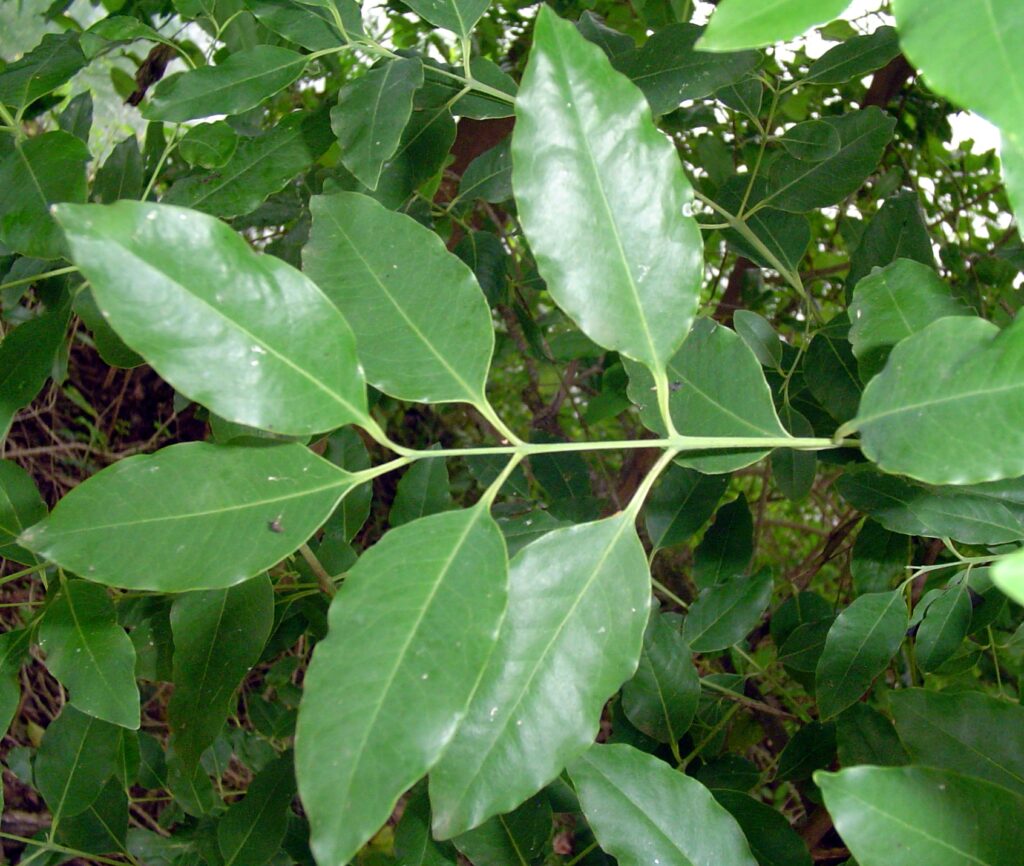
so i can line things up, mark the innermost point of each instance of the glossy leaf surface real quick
(680, 504)
(593, 219)
(559, 658)
(643, 811)
(223, 514)
(752, 23)
(725, 613)
(438, 586)
(393, 278)
(91, 654)
(296, 374)
(905, 816)
(459, 16)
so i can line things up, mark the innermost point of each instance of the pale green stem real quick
(487, 500)
(323, 579)
(44, 276)
(665, 591)
(645, 486)
(488, 411)
(664, 392)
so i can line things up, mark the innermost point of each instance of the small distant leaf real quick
(643, 811)
(812, 747)
(45, 68)
(251, 832)
(393, 278)
(669, 71)
(803, 647)
(195, 515)
(593, 219)
(855, 57)
(893, 303)
(865, 736)
(944, 627)
(489, 176)
(944, 409)
(727, 612)
(414, 843)
(422, 491)
(752, 23)
(662, 697)
(523, 726)
(38, 172)
(906, 816)
(296, 374)
(966, 732)
(897, 231)
(371, 113)
(830, 370)
(241, 82)
(449, 570)
(609, 40)
(727, 547)
(209, 145)
(860, 645)
(77, 756)
(879, 558)
(799, 185)
(773, 842)
(91, 654)
(760, 336)
(121, 176)
(218, 635)
(459, 16)
(20, 507)
(77, 117)
(681, 504)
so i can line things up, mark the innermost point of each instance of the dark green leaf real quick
(77, 117)
(45, 68)
(449, 571)
(209, 145)
(20, 507)
(669, 71)
(296, 374)
(727, 546)
(345, 448)
(595, 30)
(865, 736)
(593, 219)
(879, 558)
(681, 504)
(515, 839)
(860, 645)
(772, 840)
(662, 697)
(967, 732)
(523, 725)
(218, 635)
(725, 613)
(195, 515)
(643, 811)
(370, 115)
(251, 832)
(896, 231)
(121, 176)
(91, 654)
(489, 176)
(803, 647)
(760, 336)
(785, 235)
(830, 370)
(307, 27)
(241, 82)
(811, 748)
(855, 57)
(103, 827)
(794, 471)
(422, 491)
(414, 844)
(944, 627)
(811, 141)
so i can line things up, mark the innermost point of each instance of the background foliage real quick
(364, 371)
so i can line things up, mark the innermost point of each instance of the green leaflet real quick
(423, 490)
(879, 556)
(251, 832)
(36, 173)
(515, 839)
(241, 82)
(489, 176)
(20, 507)
(14, 646)
(680, 504)
(422, 324)
(121, 176)
(46, 67)
(218, 635)
(812, 747)
(669, 71)
(961, 50)
(193, 516)
(752, 23)
(811, 141)
(897, 231)
(594, 219)
(103, 827)
(307, 26)
(209, 145)
(345, 448)
(414, 844)
(727, 546)
(662, 697)
(725, 613)
(757, 332)
(459, 16)
(523, 725)
(893, 303)
(966, 732)
(989, 513)
(865, 736)
(799, 185)
(77, 756)
(259, 167)
(855, 57)
(944, 627)
(643, 811)
(91, 654)
(27, 356)
(945, 409)
(370, 115)
(906, 816)
(860, 645)
(423, 607)
(717, 389)
(772, 840)
(296, 374)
